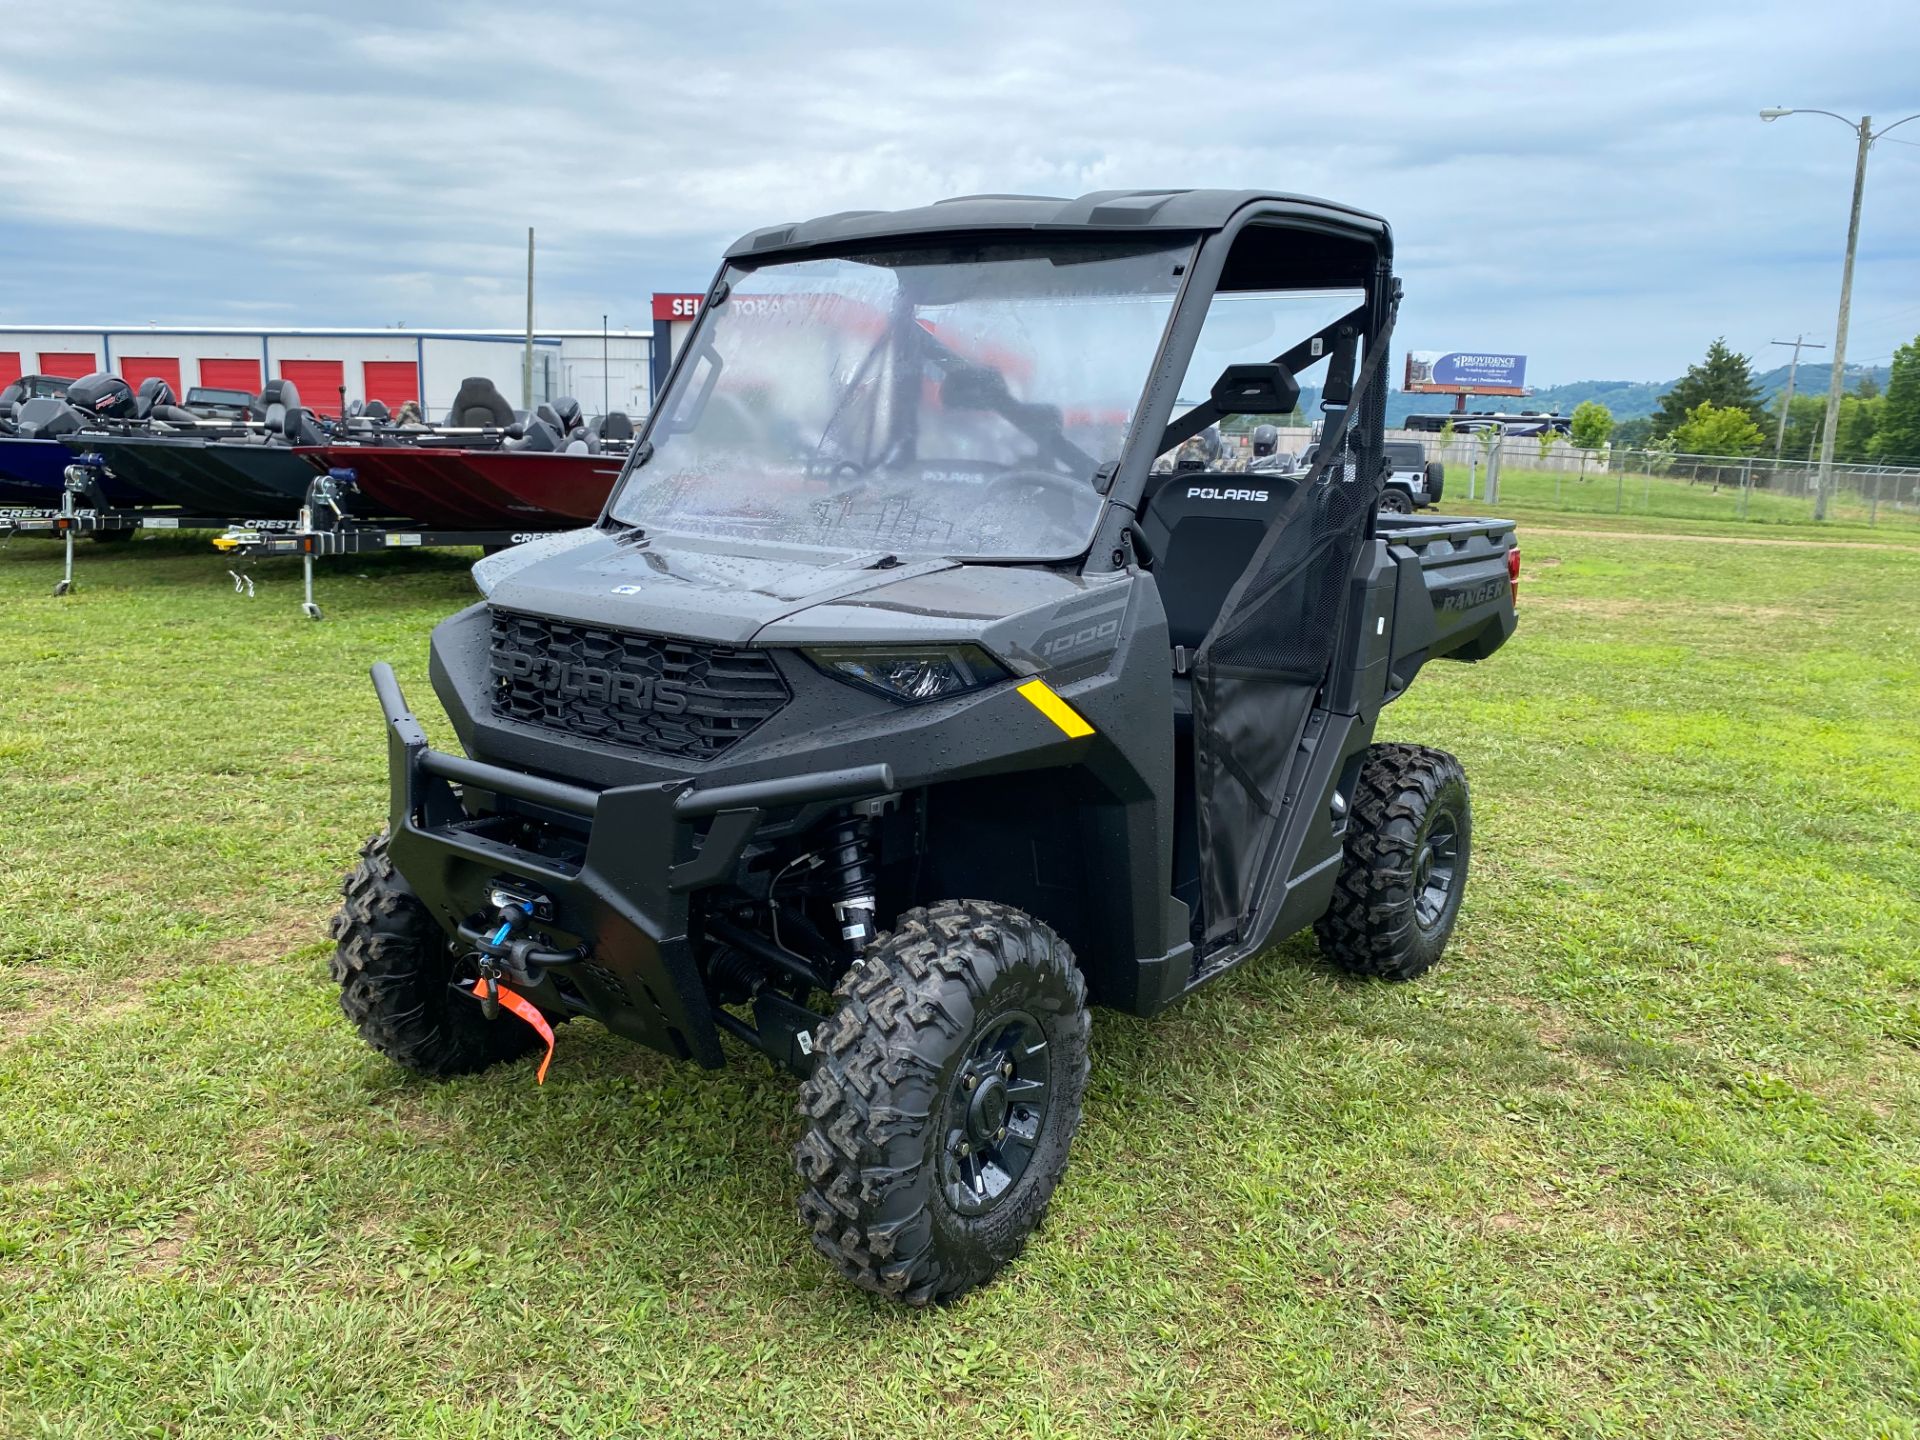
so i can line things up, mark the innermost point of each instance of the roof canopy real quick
(1103, 211)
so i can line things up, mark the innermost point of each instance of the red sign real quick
(676, 307)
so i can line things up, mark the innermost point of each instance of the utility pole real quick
(1793, 374)
(606, 381)
(526, 365)
(1866, 134)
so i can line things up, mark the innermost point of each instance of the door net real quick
(1256, 674)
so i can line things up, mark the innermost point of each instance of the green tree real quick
(1724, 380)
(1592, 424)
(1710, 429)
(1633, 433)
(1804, 420)
(1860, 415)
(1897, 438)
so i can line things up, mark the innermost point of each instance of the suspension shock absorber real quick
(852, 874)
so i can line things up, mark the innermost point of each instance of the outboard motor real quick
(568, 410)
(543, 432)
(154, 394)
(105, 395)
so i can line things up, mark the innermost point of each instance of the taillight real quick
(1513, 570)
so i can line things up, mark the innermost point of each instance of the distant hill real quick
(1625, 398)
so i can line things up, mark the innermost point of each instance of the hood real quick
(722, 593)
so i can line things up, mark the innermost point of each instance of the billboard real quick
(1466, 372)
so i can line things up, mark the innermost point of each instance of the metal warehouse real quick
(609, 370)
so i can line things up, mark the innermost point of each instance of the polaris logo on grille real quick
(591, 682)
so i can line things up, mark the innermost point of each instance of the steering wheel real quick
(1061, 495)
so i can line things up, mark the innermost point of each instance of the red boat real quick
(450, 489)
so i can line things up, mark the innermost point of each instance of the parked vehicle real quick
(897, 708)
(1412, 481)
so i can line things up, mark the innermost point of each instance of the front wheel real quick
(945, 1094)
(1409, 839)
(395, 967)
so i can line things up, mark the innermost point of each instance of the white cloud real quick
(1592, 188)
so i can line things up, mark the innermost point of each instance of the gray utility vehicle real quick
(896, 709)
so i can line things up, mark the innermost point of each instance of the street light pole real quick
(1838, 383)
(1867, 135)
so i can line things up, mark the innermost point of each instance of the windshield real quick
(946, 400)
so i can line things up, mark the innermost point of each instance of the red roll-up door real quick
(318, 382)
(393, 382)
(10, 370)
(231, 375)
(67, 364)
(135, 368)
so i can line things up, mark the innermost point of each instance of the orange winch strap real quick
(529, 1012)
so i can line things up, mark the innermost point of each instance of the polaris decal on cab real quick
(1207, 492)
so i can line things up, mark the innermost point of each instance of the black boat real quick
(233, 470)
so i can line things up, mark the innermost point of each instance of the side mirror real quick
(1264, 389)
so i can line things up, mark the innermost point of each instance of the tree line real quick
(1716, 409)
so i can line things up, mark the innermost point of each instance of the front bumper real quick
(613, 869)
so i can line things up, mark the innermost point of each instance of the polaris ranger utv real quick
(899, 707)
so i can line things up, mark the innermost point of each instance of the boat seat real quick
(478, 402)
(296, 427)
(275, 392)
(616, 425)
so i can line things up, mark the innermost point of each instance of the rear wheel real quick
(1409, 839)
(396, 967)
(1394, 501)
(945, 1094)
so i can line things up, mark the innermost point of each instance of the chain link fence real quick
(1521, 471)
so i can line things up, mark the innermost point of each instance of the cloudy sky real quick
(1588, 185)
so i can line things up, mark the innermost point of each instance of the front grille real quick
(669, 697)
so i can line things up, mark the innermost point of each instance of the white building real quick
(611, 371)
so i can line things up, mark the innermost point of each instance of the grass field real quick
(1642, 1158)
(1668, 498)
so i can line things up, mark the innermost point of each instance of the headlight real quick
(911, 676)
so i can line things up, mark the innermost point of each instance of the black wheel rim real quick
(996, 1112)
(1436, 868)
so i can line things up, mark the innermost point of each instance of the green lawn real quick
(1666, 498)
(1642, 1158)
